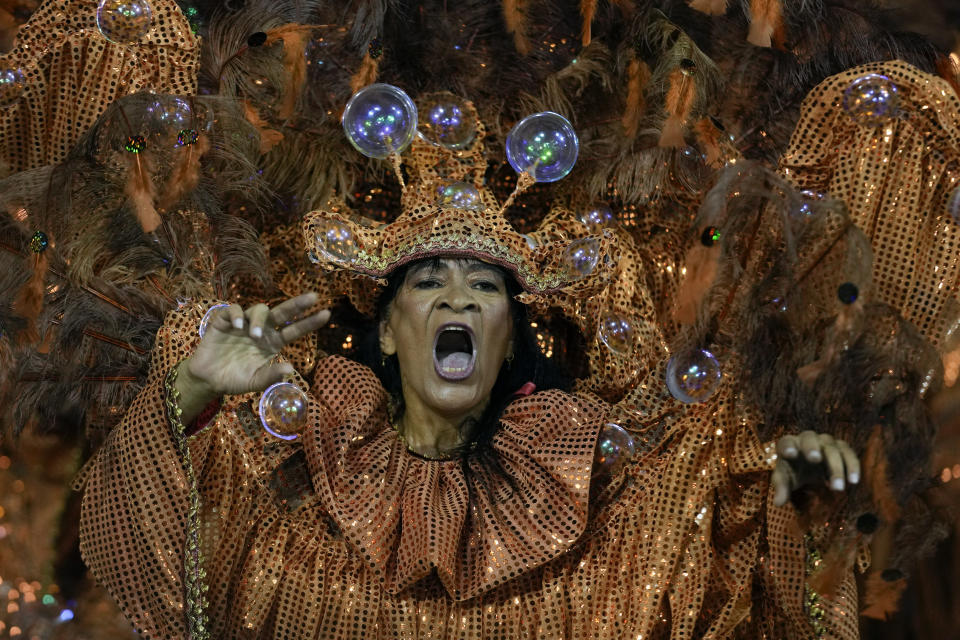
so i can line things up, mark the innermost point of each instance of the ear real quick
(388, 345)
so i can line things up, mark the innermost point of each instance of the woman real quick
(383, 523)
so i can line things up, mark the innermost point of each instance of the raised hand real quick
(802, 460)
(236, 354)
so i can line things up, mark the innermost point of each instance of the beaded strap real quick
(194, 574)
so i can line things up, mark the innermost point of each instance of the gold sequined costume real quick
(348, 535)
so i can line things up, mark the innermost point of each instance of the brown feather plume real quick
(840, 334)
(638, 74)
(140, 190)
(295, 38)
(710, 7)
(366, 74)
(679, 102)
(709, 137)
(876, 477)
(515, 19)
(29, 301)
(185, 175)
(269, 138)
(588, 8)
(701, 263)
(882, 596)
(766, 22)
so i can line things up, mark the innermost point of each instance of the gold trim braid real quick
(193, 571)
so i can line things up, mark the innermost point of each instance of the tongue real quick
(455, 360)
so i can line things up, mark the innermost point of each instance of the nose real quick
(457, 297)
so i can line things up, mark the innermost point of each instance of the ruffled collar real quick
(410, 517)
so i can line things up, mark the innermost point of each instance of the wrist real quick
(195, 392)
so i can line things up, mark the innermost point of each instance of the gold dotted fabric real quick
(345, 534)
(897, 180)
(73, 73)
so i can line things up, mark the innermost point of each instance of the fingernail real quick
(814, 456)
(790, 452)
(256, 332)
(853, 477)
(238, 323)
(837, 484)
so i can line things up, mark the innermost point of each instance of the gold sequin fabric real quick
(73, 74)
(897, 179)
(345, 534)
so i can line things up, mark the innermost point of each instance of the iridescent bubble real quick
(597, 218)
(124, 21)
(544, 145)
(693, 375)
(953, 205)
(460, 195)
(871, 100)
(283, 410)
(581, 257)
(208, 317)
(807, 205)
(446, 120)
(336, 241)
(614, 449)
(380, 120)
(12, 85)
(170, 113)
(616, 332)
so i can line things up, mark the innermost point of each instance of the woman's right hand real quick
(237, 351)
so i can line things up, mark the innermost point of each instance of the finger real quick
(834, 461)
(288, 310)
(810, 446)
(228, 317)
(300, 328)
(269, 374)
(256, 318)
(788, 446)
(781, 482)
(850, 461)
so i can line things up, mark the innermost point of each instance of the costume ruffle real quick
(409, 517)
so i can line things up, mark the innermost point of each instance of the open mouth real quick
(454, 351)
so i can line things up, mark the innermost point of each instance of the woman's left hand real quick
(801, 460)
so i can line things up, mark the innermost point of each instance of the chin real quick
(457, 398)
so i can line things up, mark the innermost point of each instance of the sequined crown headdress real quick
(447, 211)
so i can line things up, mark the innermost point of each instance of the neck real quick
(431, 434)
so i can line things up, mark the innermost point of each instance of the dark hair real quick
(528, 365)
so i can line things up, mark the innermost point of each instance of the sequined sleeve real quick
(135, 506)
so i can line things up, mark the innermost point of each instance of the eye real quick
(487, 285)
(427, 283)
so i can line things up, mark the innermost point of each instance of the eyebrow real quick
(443, 265)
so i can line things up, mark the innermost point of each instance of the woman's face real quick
(450, 327)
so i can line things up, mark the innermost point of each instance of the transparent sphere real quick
(379, 120)
(871, 100)
(336, 241)
(12, 85)
(614, 449)
(170, 112)
(544, 145)
(953, 205)
(617, 333)
(581, 257)
(208, 317)
(446, 120)
(693, 375)
(283, 410)
(124, 21)
(806, 206)
(597, 218)
(460, 195)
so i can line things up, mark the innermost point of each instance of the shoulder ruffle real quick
(410, 517)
